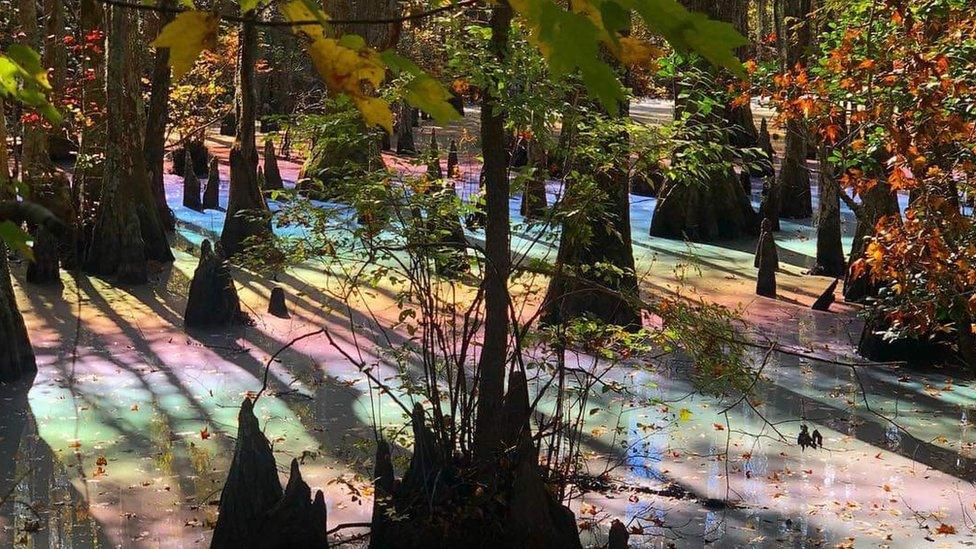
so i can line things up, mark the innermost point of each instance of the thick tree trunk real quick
(7, 190)
(794, 177)
(156, 118)
(534, 200)
(247, 212)
(830, 249)
(37, 170)
(127, 231)
(740, 118)
(87, 181)
(404, 131)
(717, 207)
(876, 203)
(16, 354)
(211, 194)
(491, 381)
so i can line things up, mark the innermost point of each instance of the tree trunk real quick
(16, 354)
(491, 381)
(87, 181)
(880, 201)
(127, 231)
(794, 177)
(156, 118)
(830, 250)
(717, 207)
(740, 118)
(534, 199)
(247, 212)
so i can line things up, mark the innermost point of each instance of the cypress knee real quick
(212, 300)
(252, 489)
(453, 171)
(272, 175)
(767, 262)
(826, 299)
(211, 195)
(276, 305)
(191, 186)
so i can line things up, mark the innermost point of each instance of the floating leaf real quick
(684, 414)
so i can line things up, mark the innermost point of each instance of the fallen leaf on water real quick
(101, 461)
(204, 433)
(718, 426)
(945, 529)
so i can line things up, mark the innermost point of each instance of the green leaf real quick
(422, 91)
(24, 79)
(16, 238)
(686, 31)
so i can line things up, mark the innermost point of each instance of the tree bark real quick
(717, 207)
(534, 199)
(156, 118)
(247, 212)
(794, 177)
(127, 231)
(494, 353)
(830, 250)
(880, 201)
(16, 354)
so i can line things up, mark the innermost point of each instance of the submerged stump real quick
(213, 297)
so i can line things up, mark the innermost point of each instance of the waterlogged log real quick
(252, 489)
(272, 175)
(213, 299)
(16, 353)
(767, 261)
(191, 187)
(211, 195)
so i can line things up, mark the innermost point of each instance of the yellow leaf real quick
(186, 36)
(376, 112)
(637, 52)
(684, 414)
